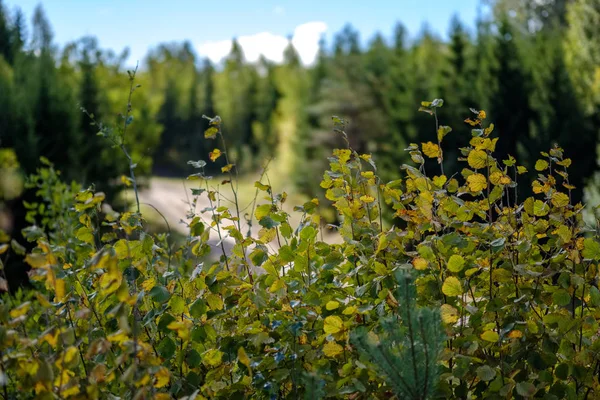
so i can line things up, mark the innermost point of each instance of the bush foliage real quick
(506, 288)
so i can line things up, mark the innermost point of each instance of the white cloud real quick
(305, 40)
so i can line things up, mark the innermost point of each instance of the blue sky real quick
(262, 26)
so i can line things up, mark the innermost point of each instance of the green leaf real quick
(562, 371)
(490, 336)
(591, 249)
(159, 294)
(594, 296)
(198, 308)
(486, 373)
(177, 305)
(540, 208)
(561, 297)
(526, 389)
(456, 263)
(166, 348)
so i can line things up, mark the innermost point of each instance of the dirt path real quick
(172, 199)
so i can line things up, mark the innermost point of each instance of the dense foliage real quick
(505, 287)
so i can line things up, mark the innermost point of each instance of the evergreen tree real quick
(406, 350)
(509, 104)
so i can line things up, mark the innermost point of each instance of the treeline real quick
(533, 66)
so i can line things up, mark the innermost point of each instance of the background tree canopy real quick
(533, 65)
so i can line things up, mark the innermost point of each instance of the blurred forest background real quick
(534, 66)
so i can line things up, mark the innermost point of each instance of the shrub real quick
(119, 313)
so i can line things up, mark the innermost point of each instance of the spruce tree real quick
(407, 346)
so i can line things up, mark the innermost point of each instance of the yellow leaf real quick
(37, 260)
(449, 314)
(167, 396)
(227, 168)
(182, 328)
(431, 149)
(143, 381)
(482, 115)
(515, 334)
(148, 284)
(420, 263)
(496, 178)
(490, 336)
(349, 310)
(332, 349)
(3, 248)
(52, 339)
(162, 377)
(73, 390)
(477, 159)
(70, 354)
(560, 199)
(213, 155)
(243, 357)
(521, 170)
(332, 305)
(367, 174)
(20, 310)
(471, 122)
(476, 182)
(541, 165)
(333, 324)
(118, 337)
(452, 287)
(367, 199)
(59, 290)
(125, 181)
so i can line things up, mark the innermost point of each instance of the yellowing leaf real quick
(59, 289)
(349, 310)
(212, 358)
(431, 149)
(476, 182)
(541, 165)
(214, 301)
(332, 305)
(367, 199)
(227, 168)
(162, 377)
(452, 287)
(439, 180)
(482, 115)
(540, 208)
(277, 285)
(333, 324)
(449, 314)
(490, 336)
(521, 170)
(332, 349)
(560, 199)
(477, 159)
(213, 155)
(420, 263)
(456, 263)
